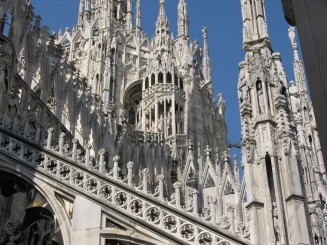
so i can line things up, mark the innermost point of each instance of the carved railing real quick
(90, 176)
(164, 87)
(144, 137)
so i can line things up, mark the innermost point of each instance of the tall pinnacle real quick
(206, 58)
(162, 38)
(297, 63)
(129, 15)
(162, 11)
(254, 21)
(162, 22)
(183, 21)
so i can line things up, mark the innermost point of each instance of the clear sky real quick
(224, 21)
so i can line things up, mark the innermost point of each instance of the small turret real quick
(138, 15)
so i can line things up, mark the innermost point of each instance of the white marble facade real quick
(111, 137)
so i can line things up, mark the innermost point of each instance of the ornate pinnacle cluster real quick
(162, 21)
(162, 27)
(297, 63)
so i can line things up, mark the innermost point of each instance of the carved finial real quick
(102, 152)
(205, 32)
(177, 185)
(116, 158)
(130, 165)
(161, 177)
(189, 145)
(225, 156)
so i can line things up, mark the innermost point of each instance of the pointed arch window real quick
(169, 77)
(146, 83)
(176, 79)
(160, 77)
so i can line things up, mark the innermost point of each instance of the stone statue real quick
(295, 102)
(261, 101)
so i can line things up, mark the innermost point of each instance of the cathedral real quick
(112, 136)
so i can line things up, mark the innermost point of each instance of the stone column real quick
(116, 168)
(161, 179)
(271, 101)
(156, 112)
(75, 142)
(195, 202)
(165, 118)
(177, 186)
(88, 154)
(173, 123)
(130, 166)
(101, 160)
(49, 140)
(61, 143)
(157, 78)
(254, 100)
(145, 173)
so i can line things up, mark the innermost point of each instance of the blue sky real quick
(224, 21)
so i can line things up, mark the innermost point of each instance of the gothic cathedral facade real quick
(108, 136)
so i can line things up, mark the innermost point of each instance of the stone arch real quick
(39, 184)
(133, 105)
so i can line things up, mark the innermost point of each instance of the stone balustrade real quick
(78, 169)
